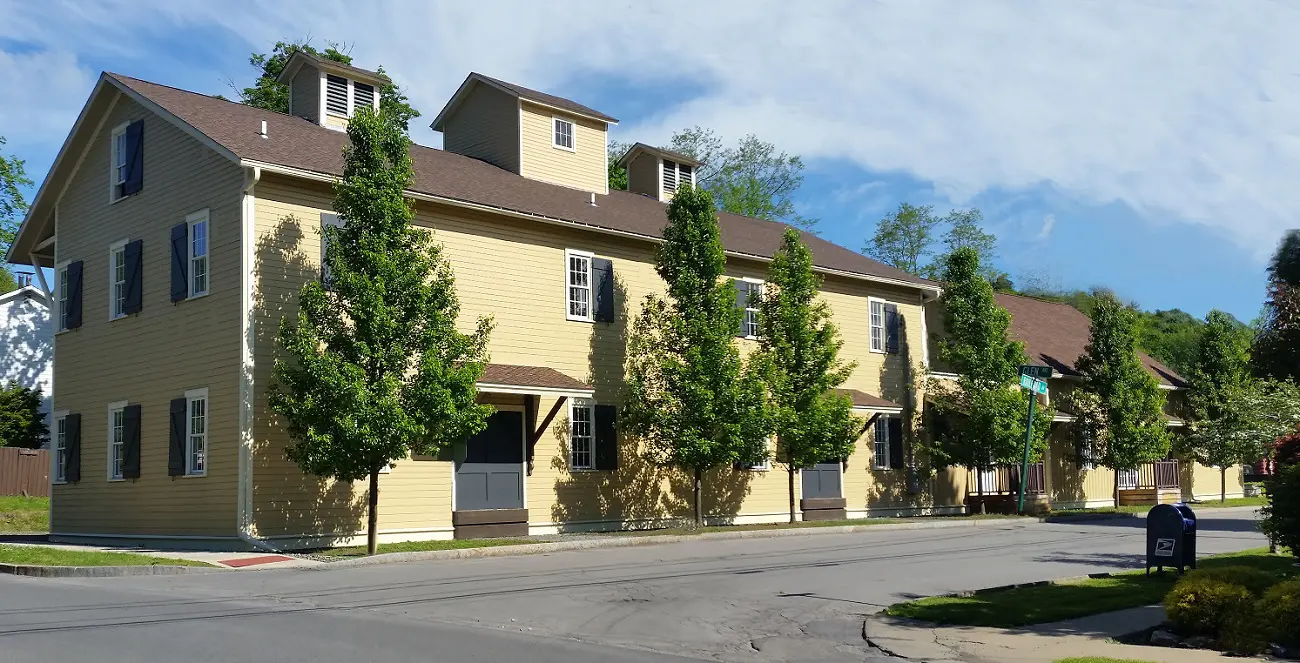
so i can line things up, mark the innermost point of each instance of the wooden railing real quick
(1161, 475)
(1005, 480)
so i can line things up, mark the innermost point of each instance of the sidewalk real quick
(1043, 643)
(224, 560)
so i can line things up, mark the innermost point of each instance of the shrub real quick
(21, 421)
(1205, 605)
(1281, 515)
(1279, 612)
(1257, 581)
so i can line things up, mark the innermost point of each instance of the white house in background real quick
(27, 342)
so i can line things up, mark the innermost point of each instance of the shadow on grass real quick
(332, 554)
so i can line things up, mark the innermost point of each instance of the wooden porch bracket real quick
(535, 431)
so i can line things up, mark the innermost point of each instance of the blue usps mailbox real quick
(1171, 537)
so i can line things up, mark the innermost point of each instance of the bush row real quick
(1243, 608)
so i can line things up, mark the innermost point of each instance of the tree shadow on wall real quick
(28, 347)
(1067, 475)
(907, 488)
(286, 501)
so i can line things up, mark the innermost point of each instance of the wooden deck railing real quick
(1005, 480)
(1161, 475)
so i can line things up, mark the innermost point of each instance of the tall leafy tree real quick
(1130, 396)
(966, 229)
(905, 238)
(985, 416)
(688, 395)
(1276, 351)
(617, 173)
(1219, 371)
(12, 208)
(376, 368)
(21, 422)
(268, 93)
(1250, 415)
(800, 350)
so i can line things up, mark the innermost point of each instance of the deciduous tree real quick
(375, 367)
(905, 238)
(1250, 416)
(12, 208)
(21, 422)
(800, 353)
(1276, 350)
(688, 395)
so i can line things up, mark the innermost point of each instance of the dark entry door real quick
(492, 473)
(822, 480)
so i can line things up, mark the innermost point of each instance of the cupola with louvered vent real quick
(656, 172)
(328, 92)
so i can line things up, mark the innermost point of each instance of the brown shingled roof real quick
(541, 97)
(529, 376)
(1057, 334)
(300, 144)
(865, 400)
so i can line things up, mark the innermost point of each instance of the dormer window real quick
(676, 174)
(563, 133)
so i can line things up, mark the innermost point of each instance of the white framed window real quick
(117, 280)
(752, 291)
(116, 439)
(577, 268)
(877, 312)
(196, 432)
(767, 459)
(582, 435)
(199, 233)
(117, 162)
(880, 444)
(61, 296)
(60, 443)
(562, 134)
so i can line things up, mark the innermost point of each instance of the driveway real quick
(788, 599)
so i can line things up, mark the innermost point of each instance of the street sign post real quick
(1033, 379)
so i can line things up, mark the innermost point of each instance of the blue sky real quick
(1150, 147)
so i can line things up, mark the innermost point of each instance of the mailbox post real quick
(1171, 537)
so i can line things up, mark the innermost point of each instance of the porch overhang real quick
(531, 381)
(865, 403)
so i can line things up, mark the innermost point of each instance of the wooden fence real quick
(24, 472)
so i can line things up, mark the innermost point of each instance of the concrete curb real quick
(100, 571)
(597, 542)
(1086, 517)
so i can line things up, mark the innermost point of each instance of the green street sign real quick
(1034, 385)
(1040, 372)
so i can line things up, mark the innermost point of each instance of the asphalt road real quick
(779, 599)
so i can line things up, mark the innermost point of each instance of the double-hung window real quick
(61, 281)
(880, 444)
(117, 280)
(60, 446)
(116, 439)
(578, 278)
(196, 432)
(562, 134)
(877, 326)
(120, 157)
(582, 437)
(751, 295)
(198, 252)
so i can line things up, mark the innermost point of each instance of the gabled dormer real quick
(328, 92)
(534, 134)
(656, 172)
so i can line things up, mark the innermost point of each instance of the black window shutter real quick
(176, 450)
(602, 274)
(742, 298)
(72, 445)
(135, 158)
(896, 443)
(180, 261)
(891, 329)
(134, 288)
(74, 294)
(131, 442)
(606, 437)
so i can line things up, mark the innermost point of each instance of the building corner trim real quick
(244, 497)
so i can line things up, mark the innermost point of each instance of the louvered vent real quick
(336, 94)
(685, 175)
(363, 95)
(670, 175)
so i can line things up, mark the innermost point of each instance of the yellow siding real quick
(582, 168)
(304, 94)
(1202, 483)
(336, 122)
(530, 329)
(155, 356)
(485, 126)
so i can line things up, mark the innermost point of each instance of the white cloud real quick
(1184, 111)
(1049, 222)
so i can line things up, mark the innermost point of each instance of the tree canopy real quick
(1276, 350)
(375, 368)
(909, 239)
(688, 394)
(21, 422)
(12, 208)
(268, 93)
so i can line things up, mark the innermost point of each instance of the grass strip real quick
(24, 514)
(419, 546)
(47, 556)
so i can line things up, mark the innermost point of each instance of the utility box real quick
(1171, 537)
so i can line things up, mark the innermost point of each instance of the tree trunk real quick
(1223, 484)
(790, 471)
(1116, 488)
(372, 527)
(699, 506)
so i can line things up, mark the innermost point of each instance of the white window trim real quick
(884, 325)
(881, 426)
(57, 417)
(60, 272)
(112, 163)
(191, 396)
(113, 249)
(108, 440)
(201, 216)
(573, 134)
(591, 287)
(590, 406)
(766, 465)
(762, 289)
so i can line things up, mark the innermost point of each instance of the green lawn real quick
(421, 546)
(1258, 500)
(46, 556)
(686, 531)
(24, 514)
(1067, 600)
